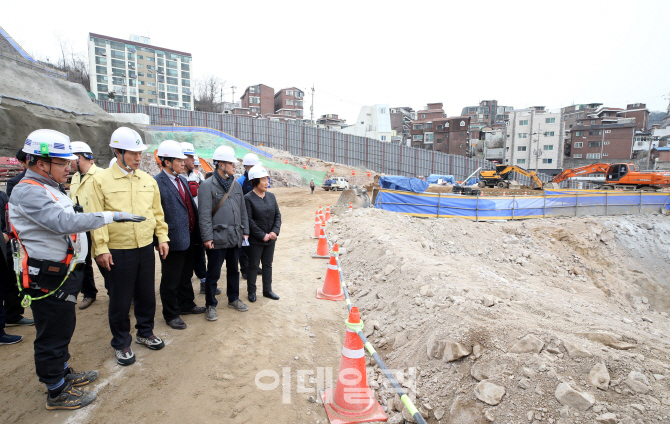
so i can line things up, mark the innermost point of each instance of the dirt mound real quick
(487, 320)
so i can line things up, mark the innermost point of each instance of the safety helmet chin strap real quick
(223, 168)
(123, 159)
(171, 168)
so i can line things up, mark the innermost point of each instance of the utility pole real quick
(233, 88)
(311, 108)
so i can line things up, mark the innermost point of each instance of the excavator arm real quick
(530, 174)
(582, 170)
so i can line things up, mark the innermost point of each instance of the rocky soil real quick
(538, 321)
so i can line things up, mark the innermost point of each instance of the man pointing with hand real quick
(124, 250)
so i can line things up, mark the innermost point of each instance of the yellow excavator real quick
(501, 177)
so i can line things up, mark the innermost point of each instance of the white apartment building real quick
(139, 73)
(534, 140)
(373, 122)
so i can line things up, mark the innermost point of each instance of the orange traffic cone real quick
(322, 247)
(317, 225)
(332, 285)
(351, 207)
(368, 173)
(504, 194)
(328, 214)
(285, 161)
(322, 216)
(352, 401)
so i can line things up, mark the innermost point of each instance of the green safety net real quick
(205, 144)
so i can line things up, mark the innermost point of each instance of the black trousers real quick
(55, 321)
(176, 288)
(131, 276)
(215, 258)
(244, 260)
(200, 263)
(13, 308)
(88, 288)
(6, 274)
(260, 253)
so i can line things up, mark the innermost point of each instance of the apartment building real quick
(533, 140)
(401, 123)
(373, 122)
(442, 134)
(330, 122)
(140, 73)
(486, 114)
(289, 102)
(257, 100)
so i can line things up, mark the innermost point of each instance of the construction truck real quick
(501, 177)
(336, 184)
(623, 176)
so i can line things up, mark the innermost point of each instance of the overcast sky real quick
(521, 53)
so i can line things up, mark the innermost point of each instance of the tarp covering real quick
(575, 203)
(432, 179)
(395, 182)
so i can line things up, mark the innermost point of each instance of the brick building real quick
(486, 114)
(401, 122)
(257, 99)
(289, 102)
(442, 134)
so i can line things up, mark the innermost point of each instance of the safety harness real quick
(46, 267)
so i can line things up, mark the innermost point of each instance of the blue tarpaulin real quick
(432, 179)
(395, 182)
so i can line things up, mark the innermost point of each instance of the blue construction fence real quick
(553, 203)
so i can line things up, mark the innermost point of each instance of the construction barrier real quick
(411, 408)
(553, 203)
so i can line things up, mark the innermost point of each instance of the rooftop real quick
(147, 46)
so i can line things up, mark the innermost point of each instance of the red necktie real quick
(182, 194)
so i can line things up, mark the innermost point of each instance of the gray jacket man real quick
(223, 229)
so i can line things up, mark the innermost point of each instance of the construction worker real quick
(43, 218)
(223, 226)
(6, 274)
(124, 251)
(248, 161)
(80, 191)
(311, 185)
(181, 215)
(194, 179)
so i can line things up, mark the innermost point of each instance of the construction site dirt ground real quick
(206, 373)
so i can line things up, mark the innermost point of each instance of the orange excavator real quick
(619, 176)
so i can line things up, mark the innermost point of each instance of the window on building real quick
(289, 92)
(100, 51)
(152, 100)
(172, 89)
(151, 59)
(523, 135)
(549, 134)
(254, 100)
(133, 99)
(119, 72)
(185, 67)
(579, 133)
(186, 83)
(579, 144)
(174, 81)
(577, 156)
(131, 56)
(593, 122)
(423, 116)
(594, 144)
(548, 147)
(429, 137)
(186, 98)
(417, 137)
(254, 110)
(185, 74)
(140, 65)
(153, 68)
(521, 148)
(102, 88)
(117, 80)
(289, 102)
(139, 56)
(254, 89)
(595, 132)
(547, 160)
(117, 46)
(549, 120)
(523, 122)
(118, 63)
(172, 96)
(172, 72)
(383, 138)
(428, 126)
(118, 55)
(141, 91)
(151, 84)
(102, 78)
(382, 111)
(142, 99)
(605, 154)
(99, 42)
(418, 126)
(439, 127)
(141, 74)
(132, 83)
(173, 103)
(520, 161)
(141, 82)
(185, 90)
(153, 93)
(606, 143)
(100, 60)
(593, 156)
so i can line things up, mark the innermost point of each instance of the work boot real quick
(152, 342)
(237, 304)
(22, 321)
(70, 398)
(86, 302)
(80, 378)
(211, 313)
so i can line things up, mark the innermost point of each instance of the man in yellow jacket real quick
(81, 188)
(125, 252)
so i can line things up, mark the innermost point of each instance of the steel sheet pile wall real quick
(553, 203)
(327, 145)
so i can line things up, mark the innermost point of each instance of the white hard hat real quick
(48, 143)
(81, 147)
(257, 172)
(112, 162)
(224, 154)
(170, 149)
(251, 159)
(187, 148)
(127, 139)
(196, 160)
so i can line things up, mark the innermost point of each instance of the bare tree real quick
(207, 93)
(73, 63)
